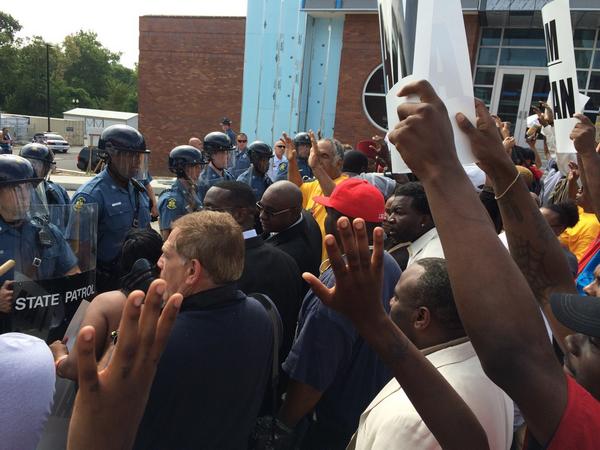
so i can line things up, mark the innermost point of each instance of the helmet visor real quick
(130, 164)
(15, 201)
(41, 168)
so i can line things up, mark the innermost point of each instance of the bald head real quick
(281, 206)
(195, 142)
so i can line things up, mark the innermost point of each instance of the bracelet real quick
(498, 197)
(58, 361)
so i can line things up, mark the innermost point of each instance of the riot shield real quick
(52, 273)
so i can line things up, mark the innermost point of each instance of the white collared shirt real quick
(391, 421)
(249, 234)
(427, 246)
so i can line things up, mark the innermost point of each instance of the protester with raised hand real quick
(110, 403)
(356, 295)
(584, 138)
(497, 307)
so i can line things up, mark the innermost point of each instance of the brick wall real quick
(190, 76)
(361, 53)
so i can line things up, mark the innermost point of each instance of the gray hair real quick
(337, 147)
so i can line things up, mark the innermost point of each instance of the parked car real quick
(83, 159)
(56, 142)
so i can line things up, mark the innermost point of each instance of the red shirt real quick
(579, 428)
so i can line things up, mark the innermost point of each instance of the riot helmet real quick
(40, 157)
(259, 154)
(215, 143)
(124, 149)
(182, 157)
(18, 184)
(302, 143)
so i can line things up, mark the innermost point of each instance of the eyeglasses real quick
(269, 212)
(242, 140)
(280, 146)
(218, 209)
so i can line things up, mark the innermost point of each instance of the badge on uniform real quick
(79, 203)
(171, 203)
(282, 166)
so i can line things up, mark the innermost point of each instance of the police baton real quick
(8, 265)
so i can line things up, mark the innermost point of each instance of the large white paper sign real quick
(442, 58)
(565, 98)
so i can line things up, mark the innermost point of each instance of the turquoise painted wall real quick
(291, 67)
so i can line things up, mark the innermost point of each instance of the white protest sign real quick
(565, 98)
(442, 58)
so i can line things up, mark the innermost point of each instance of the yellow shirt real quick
(310, 190)
(578, 238)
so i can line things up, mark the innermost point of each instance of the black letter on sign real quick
(551, 43)
(564, 98)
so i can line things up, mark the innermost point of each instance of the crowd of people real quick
(299, 296)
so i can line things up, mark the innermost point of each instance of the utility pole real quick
(48, 84)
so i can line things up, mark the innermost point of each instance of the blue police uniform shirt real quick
(57, 195)
(305, 170)
(22, 244)
(329, 355)
(239, 162)
(258, 183)
(209, 177)
(172, 204)
(117, 208)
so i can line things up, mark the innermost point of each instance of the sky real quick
(115, 21)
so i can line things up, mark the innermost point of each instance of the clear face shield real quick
(130, 164)
(221, 158)
(42, 169)
(15, 201)
(193, 171)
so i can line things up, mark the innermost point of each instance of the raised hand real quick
(290, 148)
(358, 279)
(110, 403)
(424, 134)
(584, 135)
(313, 159)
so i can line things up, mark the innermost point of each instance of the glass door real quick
(516, 90)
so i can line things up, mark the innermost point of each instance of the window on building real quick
(374, 99)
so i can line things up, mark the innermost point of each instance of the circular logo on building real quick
(172, 203)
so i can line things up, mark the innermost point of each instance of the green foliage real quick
(81, 70)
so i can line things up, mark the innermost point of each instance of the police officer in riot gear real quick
(42, 160)
(217, 147)
(256, 175)
(302, 144)
(186, 162)
(122, 200)
(37, 247)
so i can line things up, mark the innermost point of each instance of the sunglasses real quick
(280, 146)
(269, 212)
(242, 140)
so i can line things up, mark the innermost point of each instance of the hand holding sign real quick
(584, 135)
(110, 403)
(424, 135)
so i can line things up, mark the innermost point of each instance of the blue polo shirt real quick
(209, 177)
(212, 375)
(172, 204)
(258, 183)
(117, 211)
(329, 355)
(36, 261)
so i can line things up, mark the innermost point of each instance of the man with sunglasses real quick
(240, 159)
(290, 228)
(277, 160)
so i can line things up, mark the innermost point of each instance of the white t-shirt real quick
(27, 377)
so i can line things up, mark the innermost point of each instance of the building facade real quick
(96, 120)
(294, 65)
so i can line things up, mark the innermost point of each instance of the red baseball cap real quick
(356, 198)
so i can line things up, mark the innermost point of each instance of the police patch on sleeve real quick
(282, 166)
(171, 203)
(79, 203)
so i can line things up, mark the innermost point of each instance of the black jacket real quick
(273, 272)
(302, 242)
